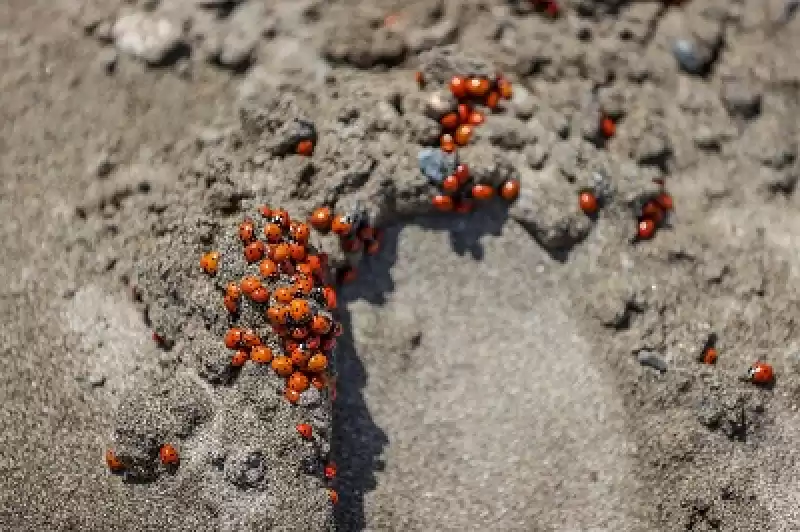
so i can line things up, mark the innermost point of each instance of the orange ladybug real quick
(504, 88)
(168, 455)
(303, 286)
(299, 333)
(298, 382)
(291, 395)
(320, 325)
(247, 230)
(299, 358)
(342, 225)
(277, 315)
(665, 201)
(373, 247)
(348, 274)
(282, 218)
(420, 79)
(305, 430)
(321, 219)
(588, 202)
(233, 290)
(653, 211)
(305, 147)
(273, 232)
(282, 366)
(267, 268)
(300, 310)
(510, 190)
(447, 144)
(442, 203)
(710, 356)
(330, 297)
(330, 471)
(462, 173)
(482, 192)
(231, 304)
(450, 184)
(114, 464)
(239, 358)
(250, 338)
(261, 354)
(250, 284)
(458, 86)
(209, 262)
(284, 295)
(478, 87)
(647, 228)
(265, 211)
(761, 373)
(493, 100)
(319, 382)
(254, 251)
(333, 495)
(463, 134)
(476, 118)
(233, 338)
(449, 121)
(317, 363)
(279, 252)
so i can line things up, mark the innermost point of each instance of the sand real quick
(490, 374)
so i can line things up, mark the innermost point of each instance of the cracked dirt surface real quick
(490, 374)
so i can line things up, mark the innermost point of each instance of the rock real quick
(436, 164)
(107, 59)
(741, 99)
(96, 379)
(104, 165)
(422, 39)
(536, 156)
(690, 56)
(153, 39)
(237, 50)
(651, 359)
(547, 210)
(439, 104)
(245, 469)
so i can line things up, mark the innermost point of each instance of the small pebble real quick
(436, 164)
(686, 54)
(651, 359)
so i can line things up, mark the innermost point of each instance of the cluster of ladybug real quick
(760, 373)
(291, 289)
(458, 192)
(167, 454)
(652, 214)
(354, 232)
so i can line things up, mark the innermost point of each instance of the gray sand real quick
(495, 371)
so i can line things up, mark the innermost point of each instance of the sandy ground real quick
(489, 377)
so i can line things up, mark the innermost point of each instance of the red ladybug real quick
(761, 373)
(305, 430)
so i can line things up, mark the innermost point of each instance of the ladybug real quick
(482, 192)
(233, 290)
(654, 211)
(282, 366)
(239, 358)
(273, 232)
(665, 201)
(442, 203)
(279, 252)
(646, 230)
(476, 118)
(607, 127)
(588, 202)
(710, 356)
(447, 144)
(300, 232)
(321, 219)
(250, 338)
(463, 134)
(254, 251)
(114, 464)
(233, 338)
(168, 455)
(305, 148)
(261, 354)
(281, 218)
(504, 88)
(464, 206)
(449, 121)
(761, 373)
(265, 211)
(351, 245)
(277, 315)
(284, 295)
(333, 495)
(366, 233)
(450, 184)
(250, 284)
(510, 190)
(464, 112)
(268, 268)
(342, 225)
(291, 395)
(299, 358)
(373, 247)
(458, 86)
(347, 275)
(320, 325)
(303, 286)
(305, 430)
(319, 382)
(317, 363)
(420, 79)
(209, 262)
(462, 173)
(478, 87)
(247, 230)
(493, 100)
(330, 471)
(329, 344)
(312, 342)
(299, 333)
(298, 382)
(330, 297)
(231, 304)
(300, 310)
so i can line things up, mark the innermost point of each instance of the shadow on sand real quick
(358, 442)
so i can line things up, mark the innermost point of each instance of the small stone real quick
(651, 359)
(147, 37)
(436, 164)
(536, 156)
(439, 104)
(96, 380)
(104, 166)
(237, 50)
(107, 60)
(689, 58)
(741, 100)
